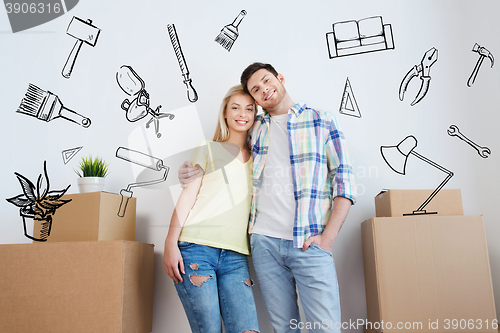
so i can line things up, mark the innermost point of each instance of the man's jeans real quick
(281, 268)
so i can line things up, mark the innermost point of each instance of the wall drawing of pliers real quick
(421, 70)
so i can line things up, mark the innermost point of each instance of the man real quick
(302, 192)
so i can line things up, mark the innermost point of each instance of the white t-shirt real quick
(275, 199)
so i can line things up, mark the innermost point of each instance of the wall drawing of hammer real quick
(484, 152)
(229, 33)
(83, 31)
(191, 92)
(483, 53)
(46, 106)
(144, 160)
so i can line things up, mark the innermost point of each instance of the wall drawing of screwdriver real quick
(144, 160)
(191, 92)
(421, 70)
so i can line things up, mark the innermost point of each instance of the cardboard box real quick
(425, 269)
(90, 217)
(392, 203)
(94, 287)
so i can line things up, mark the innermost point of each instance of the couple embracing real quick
(288, 185)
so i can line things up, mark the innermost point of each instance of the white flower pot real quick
(90, 184)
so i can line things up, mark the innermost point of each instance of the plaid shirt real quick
(321, 169)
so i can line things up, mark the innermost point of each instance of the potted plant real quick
(38, 204)
(91, 172)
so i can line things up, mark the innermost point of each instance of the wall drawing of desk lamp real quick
(397, 156)
(144, 160)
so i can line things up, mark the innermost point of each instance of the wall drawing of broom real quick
(229, 33)
(46, 106)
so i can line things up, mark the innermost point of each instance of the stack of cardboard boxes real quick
(426, 273)
(89, 276)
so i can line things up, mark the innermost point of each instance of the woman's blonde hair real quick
(222, 131)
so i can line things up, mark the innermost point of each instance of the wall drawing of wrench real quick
(484, 152)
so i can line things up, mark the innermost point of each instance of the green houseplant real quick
(38, 203)
(91, 174)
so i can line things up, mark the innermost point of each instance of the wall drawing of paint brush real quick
(229, 33)
(191, 92)
(46, 106)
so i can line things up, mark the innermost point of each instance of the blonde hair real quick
(222, 131)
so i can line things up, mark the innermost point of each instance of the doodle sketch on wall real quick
(356, 37)
(83, 31)
(396, 158)
(348, 105)
(46, 106)
(144, 160)
(229, 33)
(483, 53)
(68, 154)
(132, 84)
(174, 39)
(38, 203)
(484, 152)
(422, 71)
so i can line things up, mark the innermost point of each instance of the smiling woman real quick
(207, 242)
(236, 100)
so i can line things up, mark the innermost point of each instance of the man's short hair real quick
(250, 70)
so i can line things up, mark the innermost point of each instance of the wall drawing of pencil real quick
(46, 106)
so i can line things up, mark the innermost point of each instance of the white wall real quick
(290, 35)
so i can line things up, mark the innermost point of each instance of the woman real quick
(207, 242)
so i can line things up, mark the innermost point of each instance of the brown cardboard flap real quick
(370, 268)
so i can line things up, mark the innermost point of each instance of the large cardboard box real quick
(392, 203)
(90, 217)
(94, 287)
(429, 270)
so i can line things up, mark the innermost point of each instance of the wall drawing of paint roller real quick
(83, 31)
(144, 160)
(191, 93)
(44, 105)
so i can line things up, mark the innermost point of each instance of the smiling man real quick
(302, 192)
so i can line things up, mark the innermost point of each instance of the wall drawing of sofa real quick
(355, 37)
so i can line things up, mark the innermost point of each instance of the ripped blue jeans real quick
(217, 283)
